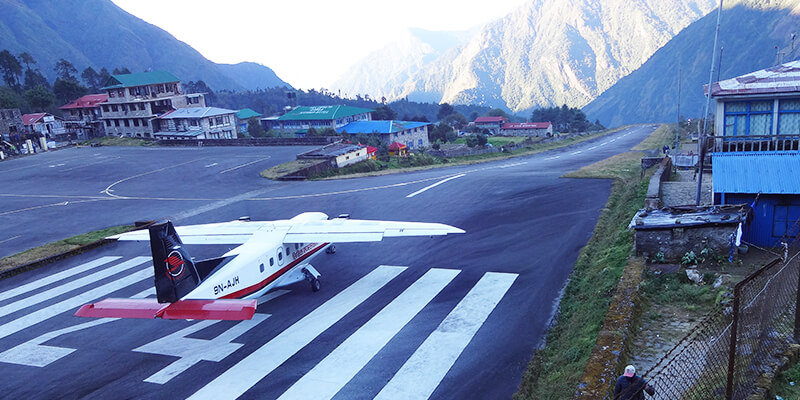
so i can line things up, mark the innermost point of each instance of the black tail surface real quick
(175, 273)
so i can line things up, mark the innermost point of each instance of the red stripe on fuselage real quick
(258, 286)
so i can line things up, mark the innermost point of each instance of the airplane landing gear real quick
(313, 277)
(331, 249)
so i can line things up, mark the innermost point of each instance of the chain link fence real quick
(724, 355)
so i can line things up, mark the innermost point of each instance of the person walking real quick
(631, 387)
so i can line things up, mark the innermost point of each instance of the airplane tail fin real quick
(175, 272)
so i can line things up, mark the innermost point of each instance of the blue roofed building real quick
(412, 134)
(242, 118)
(756, 151)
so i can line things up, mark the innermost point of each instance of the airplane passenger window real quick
(296, 246)
(280, 256)
(271, 261)
(288, 250)
(261, 267)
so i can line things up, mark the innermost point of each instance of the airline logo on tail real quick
(175, 265)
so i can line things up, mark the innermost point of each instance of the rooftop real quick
(246, 113)
(757, 172)
(490, 120)
(88, 101)
(331, 150)
(315, 113)
(196, 112)
(30, 119)
(688, 216)
(783, 78)
(379, 127)
(139, 79)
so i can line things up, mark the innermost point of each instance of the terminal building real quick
(303, 118)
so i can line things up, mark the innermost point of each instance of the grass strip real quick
(555, 370)
(62, 246)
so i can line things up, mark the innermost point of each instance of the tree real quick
(497, 112)
(103, 76)
(482, 140)
(456, 120)
(9, 98)
(27, 59)
(254, 127)
(68, 90)
(35, 78)
(39, 97)
(383, 113)
(444, 110)
(65, 70)
(11, 69)
(121, 71)
(92, 79)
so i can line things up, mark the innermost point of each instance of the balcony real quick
(729, 144)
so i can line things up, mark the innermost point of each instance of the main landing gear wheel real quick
(331, 249)
(315, 285)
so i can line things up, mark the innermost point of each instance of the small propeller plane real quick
(271, 254)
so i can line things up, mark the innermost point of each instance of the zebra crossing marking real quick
(39, 283)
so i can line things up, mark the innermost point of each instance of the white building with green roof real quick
(301, 119)
(135, 100)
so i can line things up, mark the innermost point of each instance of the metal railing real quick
(724, 355)
(754, 143)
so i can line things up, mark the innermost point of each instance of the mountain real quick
(252, 75)
(547, 52)
(97, 33)
(384, 72)
(749, 32)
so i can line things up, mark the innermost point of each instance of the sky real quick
(308, 43)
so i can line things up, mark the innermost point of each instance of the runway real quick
(444, 317)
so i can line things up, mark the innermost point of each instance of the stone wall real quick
(676, 241)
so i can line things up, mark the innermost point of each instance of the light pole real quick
(701, 139)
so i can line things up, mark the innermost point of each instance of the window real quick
(116, 122)
(785, 221)
(108, 122)
(748, 118)
(261, 267)
(271, 261)
(280, 256)
(121, 93)
(127, 123)
(789, 117)
(288, 250)
(111, 94)
(141, 106)
(296, 246)
(419, 142)
(135, 122)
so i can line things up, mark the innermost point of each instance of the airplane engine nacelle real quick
(310, 216)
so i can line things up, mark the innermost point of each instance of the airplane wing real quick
(234, 310)
(341, 230)
(234, 232)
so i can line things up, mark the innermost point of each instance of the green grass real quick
(782, 386)
(676, 289)
(498, 141)
(121, 141)
(555, 370)
(61, 246)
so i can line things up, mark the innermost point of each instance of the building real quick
(338, 154)
(242, 118)
(303, 118)
(135, 100)
(11, 123)
(196, 123)
(539, 129)
(82, 116)
(493, 124)
(755, 152)
(412, 134)
(47, 125)
(397, 149)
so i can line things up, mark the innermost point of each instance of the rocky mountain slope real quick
(749, 33)
(97, 33)
(547, 52)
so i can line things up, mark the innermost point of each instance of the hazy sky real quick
(308, 43)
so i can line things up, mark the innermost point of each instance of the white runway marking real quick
(191, 350)
(42, 314)
(552, 158)
(71, 285)
(426, 368)
(10, 239)
(341, 365)
(211, 165)
(243, 165)
(35, 354)
(434, 185)
(246, 373)
(512, 165)
(577, 152)
(7, 294)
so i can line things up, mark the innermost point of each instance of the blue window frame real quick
(744, 118)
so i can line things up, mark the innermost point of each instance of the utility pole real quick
(701, 139)
(678, 124)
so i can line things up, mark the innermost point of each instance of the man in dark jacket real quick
(631, 387)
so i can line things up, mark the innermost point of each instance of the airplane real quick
(270, 255)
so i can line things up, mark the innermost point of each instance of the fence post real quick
(732, 350)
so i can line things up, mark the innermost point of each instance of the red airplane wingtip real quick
(233, 310)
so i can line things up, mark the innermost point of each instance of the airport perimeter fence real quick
(726, 353)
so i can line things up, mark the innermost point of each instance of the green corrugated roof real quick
(246, 113)
(140, 79)
(305, 113)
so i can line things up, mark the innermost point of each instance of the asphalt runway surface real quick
(444, 317)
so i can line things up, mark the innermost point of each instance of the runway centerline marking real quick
(422, 373)
(211, 165)
(552, 158)
(71, 285)
(434, 185)
(243, 165)
(246, 373)
(62, 203)
(340, 366)
(7, 294)
(10, 239)
(577, 152)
